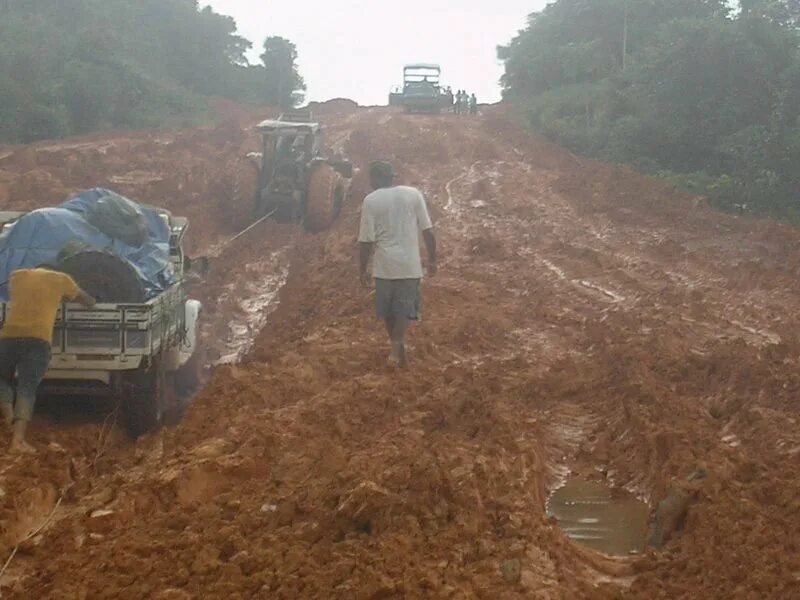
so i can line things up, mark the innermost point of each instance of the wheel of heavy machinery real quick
(146, 398)
(244, 199)
(104, 276)
(322, 207)
(340, 195)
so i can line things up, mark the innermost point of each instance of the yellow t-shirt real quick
(35, 295)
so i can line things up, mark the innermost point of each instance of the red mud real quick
(585, 319)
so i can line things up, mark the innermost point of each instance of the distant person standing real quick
(35, 295)
(449, 99)
(473, 105)
(392, 218)
(459, 101)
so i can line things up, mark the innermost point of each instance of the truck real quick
(421, 90)
(145, 353)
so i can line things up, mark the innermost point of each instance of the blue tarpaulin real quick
(37, 238)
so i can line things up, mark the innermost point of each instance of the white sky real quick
(357, 48)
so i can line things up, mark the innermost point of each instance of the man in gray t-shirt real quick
(392, 218)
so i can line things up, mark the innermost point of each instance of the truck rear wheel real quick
(146, 398)
(325, 198)
(189, 377)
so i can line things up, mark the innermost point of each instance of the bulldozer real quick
(293, 181)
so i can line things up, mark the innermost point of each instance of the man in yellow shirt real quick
(35, 295)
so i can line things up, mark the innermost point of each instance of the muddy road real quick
(585, 321)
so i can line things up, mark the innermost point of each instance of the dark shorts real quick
(29, 359)
(397, 298)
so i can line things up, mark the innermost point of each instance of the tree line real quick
(699, 91)
(86, 65)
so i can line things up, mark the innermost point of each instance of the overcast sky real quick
(357, 48)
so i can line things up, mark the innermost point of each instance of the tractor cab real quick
(295, 182)
(288, 147)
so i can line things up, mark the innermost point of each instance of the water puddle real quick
(605, 519)
(254, 299)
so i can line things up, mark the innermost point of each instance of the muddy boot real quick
(18, 443)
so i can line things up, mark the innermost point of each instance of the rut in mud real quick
(585, 321)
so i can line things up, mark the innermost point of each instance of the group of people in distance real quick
(463, 103)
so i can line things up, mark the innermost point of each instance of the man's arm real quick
(426, 226)
(85, 299)
(430, 246)
(365, 253)
(366, 239)
(71, 291)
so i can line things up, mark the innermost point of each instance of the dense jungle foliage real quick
(703, 92)
(71, 67)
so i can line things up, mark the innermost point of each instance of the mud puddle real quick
(605, 519)
(255, 298)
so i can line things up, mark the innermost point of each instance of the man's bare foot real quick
(402, 360)
(7, 412)
(21, 447)
(394, 355)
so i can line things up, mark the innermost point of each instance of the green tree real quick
(783, 12)
(78, 66)
(683, 88)
(580, 41)
(283, 84)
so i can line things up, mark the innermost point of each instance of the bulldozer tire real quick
(104, 276)
(340, 195)
(322, 207)
(244, 201)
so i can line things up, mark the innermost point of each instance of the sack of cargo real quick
(118, 218)
(50, 236)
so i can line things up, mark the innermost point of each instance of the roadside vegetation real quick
(698, 91)
(86, 65)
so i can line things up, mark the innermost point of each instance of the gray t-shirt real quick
(392, 218)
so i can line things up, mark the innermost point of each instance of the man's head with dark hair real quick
(381, 174)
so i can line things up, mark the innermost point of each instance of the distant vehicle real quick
(421, 91)
(293, 181)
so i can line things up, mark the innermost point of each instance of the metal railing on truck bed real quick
(114, 337)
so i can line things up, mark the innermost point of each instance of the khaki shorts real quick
(397, 298)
